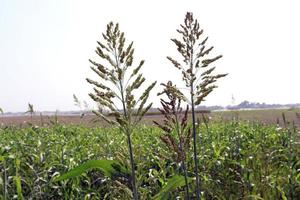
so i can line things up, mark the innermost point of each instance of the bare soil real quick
(265, 116)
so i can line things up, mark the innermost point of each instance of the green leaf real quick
(283, 196)
(17, 180)
(1, 111)
(255, 197)
(173, 183)
(298, 178)
(108, 167)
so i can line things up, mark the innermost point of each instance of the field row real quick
(236, 161)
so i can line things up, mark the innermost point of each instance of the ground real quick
(269, 116)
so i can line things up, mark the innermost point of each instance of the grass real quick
(237, 160)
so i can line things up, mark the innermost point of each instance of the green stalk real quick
(128, 133)
(183, 161)
(134, 188)
(195, 144)
(198, 192)
(5, 178)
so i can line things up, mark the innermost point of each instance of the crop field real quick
(267, 116)
(237, 161)
(125, 149)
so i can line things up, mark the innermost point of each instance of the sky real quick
(45, 46)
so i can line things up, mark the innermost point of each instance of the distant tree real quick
(244, 104)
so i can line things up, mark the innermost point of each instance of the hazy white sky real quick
(45, 46)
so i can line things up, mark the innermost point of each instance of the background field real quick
(267, 116)
(242, 155)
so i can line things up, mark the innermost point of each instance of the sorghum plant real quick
(118, 82)
(175, 121)
(83, 106)
(30, 111)
(196, 73)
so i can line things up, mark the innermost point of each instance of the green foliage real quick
(110, 168)
(17, 180)
(173, 183)
(1, 111)
(237, 161)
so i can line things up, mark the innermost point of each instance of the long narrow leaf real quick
(17, 180)
(108, 167)
(173, 183)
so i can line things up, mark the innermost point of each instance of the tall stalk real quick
(184, 167)
(193, 51)
(128, 133)
(117, 83)
(132, 163)
(198, 186)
